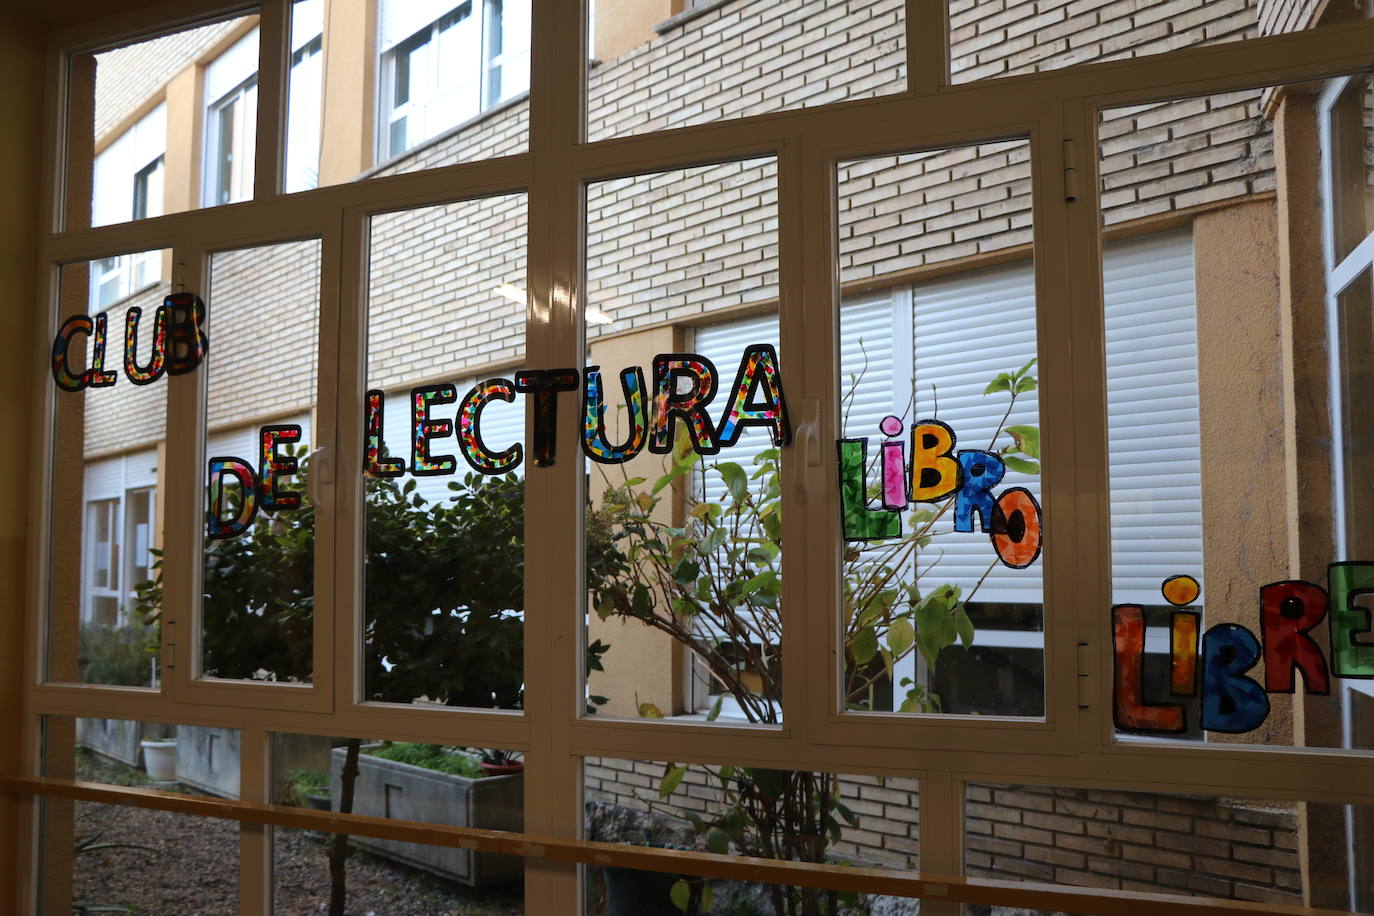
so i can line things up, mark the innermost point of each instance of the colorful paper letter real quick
(1288, 611)
(187, 343)
(594, 442)
(95, 375)
(1231, 702)
(1129, 709)
(689, 406)
(545, 383)
(216, 526)
(374, 465)
(1348, 582)
(475, 451)
(860, 522)
(157, 360)
(423, 429)
(273, 465)
(934, 473)
(758, 369)
(1183, 637)
(981, 471)
(1016, 532)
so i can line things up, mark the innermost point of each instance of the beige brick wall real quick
(1223, 848)
(126, 76)
(1003, 37)
(263, 319)
(126, 416)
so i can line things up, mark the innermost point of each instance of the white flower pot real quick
(160, 760)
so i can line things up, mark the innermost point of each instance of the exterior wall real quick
(1277, 16)
(263, 366)
(125, 416)
(126, 77)
(1003, 37)
(1134, 841)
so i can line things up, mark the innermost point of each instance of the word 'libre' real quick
(1214, 667)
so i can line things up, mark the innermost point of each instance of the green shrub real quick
(431, 757)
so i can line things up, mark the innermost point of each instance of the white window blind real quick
(232, 68)
(397, 20)
(1152, 414)
(108, 478)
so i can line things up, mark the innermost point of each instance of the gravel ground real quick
(189, 867)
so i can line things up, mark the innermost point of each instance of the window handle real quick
(807, 445)
(320, 466)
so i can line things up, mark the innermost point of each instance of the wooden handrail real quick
(1095, 901)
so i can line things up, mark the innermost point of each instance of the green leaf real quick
(717, 841)
(1026, 368)
(964, 627)
(1001, 383)
(1024, 465)
(708, 897)
(686, 571)
(650, 711)
(736, 481)
(680, 894)
(1026, 384)
(671, 779)
(900, 636)
(1027, 439)
(715, 708)
(864, 646)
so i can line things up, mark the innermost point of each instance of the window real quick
(304, 110)
(231, 117)
(435, 76)
(819, 229)
(128, 184)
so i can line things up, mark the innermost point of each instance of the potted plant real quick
(497, 762)
(160, 758)
(713, 584)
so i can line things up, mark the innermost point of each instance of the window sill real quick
(680, 19)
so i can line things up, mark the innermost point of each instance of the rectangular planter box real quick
(208, 760)
(118, 738)
(386, 788)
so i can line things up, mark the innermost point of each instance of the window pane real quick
(444, 593)
(943, 603)
(147, 110)
(305, 95)
(259, 550)
(455, 78)
(147, 861)
(836, 819)
(702, 630)
(1223, 402)
(105, 530)
(1352, 164)
(461, 787)
(651, 69)
(1006, 37)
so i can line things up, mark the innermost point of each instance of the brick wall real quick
(126, 76)
(1223, 848)
(1003, 37)
(262, 361)
(126, 416)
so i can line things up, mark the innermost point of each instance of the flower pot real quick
(160, 760)
(502, 769)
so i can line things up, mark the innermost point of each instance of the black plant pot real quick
(634, 892)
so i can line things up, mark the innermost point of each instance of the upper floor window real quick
(231, 119)
(305, 93)
(444, 64)
(128, 184)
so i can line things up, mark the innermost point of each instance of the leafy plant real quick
(431, 757)
(120, 655)
(712, 582)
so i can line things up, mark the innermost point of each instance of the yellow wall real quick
(21, 71)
